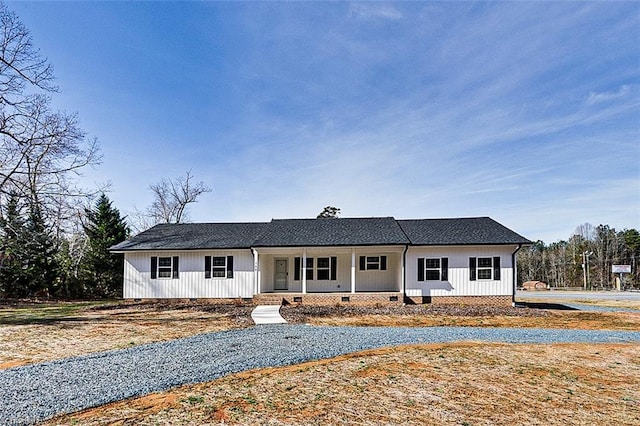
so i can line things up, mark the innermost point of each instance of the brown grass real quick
(450, 384)
(564, 319)
(627, 304)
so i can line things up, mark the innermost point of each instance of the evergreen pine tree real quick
(12, 227)
(105, 227)
(27, 252)
(41, 266)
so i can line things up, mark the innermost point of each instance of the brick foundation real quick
(332, 299)
(461, 300)
(236, 301)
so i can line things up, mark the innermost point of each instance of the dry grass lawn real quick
(446, 384)
(556, 319)
(627, 304)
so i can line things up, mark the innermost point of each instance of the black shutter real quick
(309, 268)
(421, 269)
(334, 268)
(472, 269)
(175, 267)
(296, 272)
(496, 268)
(207, 266)
(383, 263)
(363, 263)
(229, 266)
(154, 267)
(444, 271)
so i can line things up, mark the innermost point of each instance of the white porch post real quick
(256, 271)
(304, 271)
(402, 274)
(353, 270)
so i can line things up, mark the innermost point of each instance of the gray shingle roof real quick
(331, 232)
(323, 232)
(460, 231)
(191, 236)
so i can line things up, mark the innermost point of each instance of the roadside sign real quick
(621, 269)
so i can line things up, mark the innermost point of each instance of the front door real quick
(282, 273)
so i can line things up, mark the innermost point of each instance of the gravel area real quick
(594, 308)
(37, 392)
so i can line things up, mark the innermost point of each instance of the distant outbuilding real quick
(534, 286)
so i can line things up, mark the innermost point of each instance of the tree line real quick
(584, 260)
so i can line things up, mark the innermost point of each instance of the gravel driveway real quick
(36, 392)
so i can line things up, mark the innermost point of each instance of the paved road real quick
(36, 392)
(580, 295)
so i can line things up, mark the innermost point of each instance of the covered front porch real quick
(342, 271)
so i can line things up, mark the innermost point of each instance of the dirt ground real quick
(35, 332)
(442, 384)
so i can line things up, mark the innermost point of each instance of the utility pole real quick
(585, 267)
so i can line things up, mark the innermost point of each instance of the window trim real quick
(475, 269)
(442, 269)
(210, 267)
(373, 262)
(173, 268)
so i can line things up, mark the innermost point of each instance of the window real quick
(484, 268)
(433, 269)
(323, 268)
(164, 267)
(373, 263)
(218, 266)
(326, 268)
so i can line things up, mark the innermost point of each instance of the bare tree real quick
(41, 151)
(173, 196)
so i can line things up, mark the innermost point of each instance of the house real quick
(326, 261)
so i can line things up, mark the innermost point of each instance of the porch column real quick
(304, 271)
(256, 271)
(353, 270)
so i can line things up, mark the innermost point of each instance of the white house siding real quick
(191, 282)
(458, 283)
(377, 280)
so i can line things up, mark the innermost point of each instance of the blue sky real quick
(525, 112)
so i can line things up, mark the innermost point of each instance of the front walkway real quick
(267, 314)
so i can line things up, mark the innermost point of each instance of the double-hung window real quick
(323, 268)
(164, 267)
(433, 269)
(484, 268)
(373, 263)
(218, 266)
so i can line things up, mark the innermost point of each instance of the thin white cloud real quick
(600, 97)
(374, 11)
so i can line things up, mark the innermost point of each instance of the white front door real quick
(281, 275)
